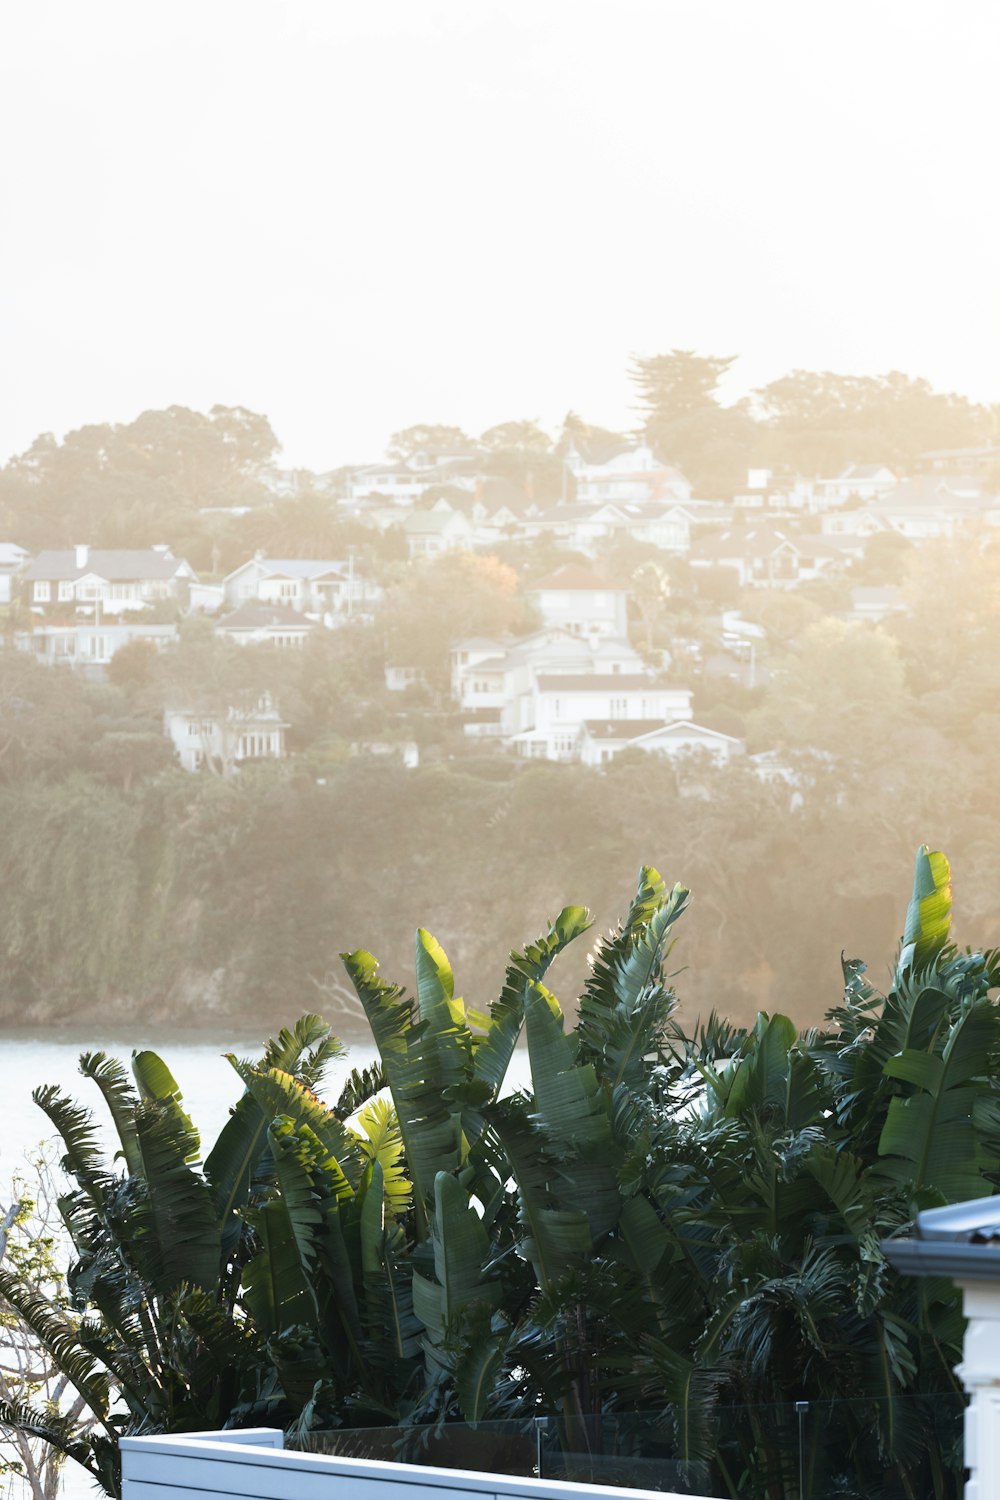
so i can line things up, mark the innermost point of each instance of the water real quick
(207, 1081)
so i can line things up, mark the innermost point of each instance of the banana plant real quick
(157, 1343)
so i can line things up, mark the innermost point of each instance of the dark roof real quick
(622, 729)
(257, 615)
(301, 567)
(573, 576)
(121, 564)
(930, 492)
(756, 541)
(628, 682)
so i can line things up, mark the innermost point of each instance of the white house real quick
(562, 704)
(113, 580)
(626, 474)
(223, 742)
(495, 682)
(322, 586)
(775, 494)
(430, 532)
(258, 624)
(936, 506)
(859, 521)
(90, 645)
(858, 481)
(764, 557)
(599, 741)
(579, 600)
(12, 560)
(404, 483)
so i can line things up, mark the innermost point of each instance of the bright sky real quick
(354, 215)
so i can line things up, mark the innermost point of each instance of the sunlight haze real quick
(355, 217)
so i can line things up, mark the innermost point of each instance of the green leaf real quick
(928, 916)
(495, 1049)
(186, 1235)
(112, 1079)
(274, 1283)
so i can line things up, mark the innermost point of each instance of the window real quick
(65, 590)
(619, 708)
(42, 592)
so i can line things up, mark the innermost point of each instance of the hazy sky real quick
(355, 216)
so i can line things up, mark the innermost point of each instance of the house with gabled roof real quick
(258, 623)
(937, 505)
(579, 599)
(563, 702)
(599, 741)
(626, 473)
(494, 682)
(309, 585)
(764, 557)
(856, 482)
(113, 580)
(430, 532)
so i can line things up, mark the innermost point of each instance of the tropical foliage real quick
(686, 1225)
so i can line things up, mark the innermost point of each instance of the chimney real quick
(82, 550)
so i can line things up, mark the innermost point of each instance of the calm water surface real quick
(207, 1081)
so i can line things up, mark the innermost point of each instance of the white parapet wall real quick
(253, 1465)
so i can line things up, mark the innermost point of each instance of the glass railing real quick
(909, 1448)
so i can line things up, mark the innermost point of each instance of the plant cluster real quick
(687, 1226)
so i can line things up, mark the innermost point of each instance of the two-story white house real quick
(630, 473)
(113, 580)
(578, 599)
(563, 703)
(222, 742)
(494, 682)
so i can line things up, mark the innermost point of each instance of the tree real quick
(435, 603)
(133, 664)
(685, 425)
(427, 438)
(650, 590)
(305, 525)
(31, 1236)
(834, 693)
(818, 421)
(139, 482)
(590, 441)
